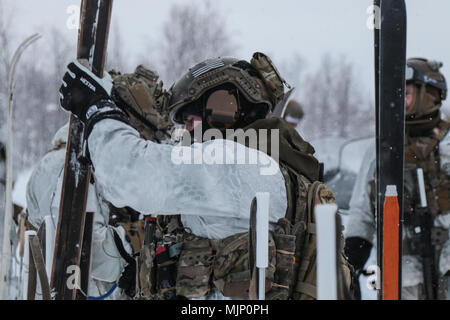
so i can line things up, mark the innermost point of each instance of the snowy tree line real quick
(334, 103)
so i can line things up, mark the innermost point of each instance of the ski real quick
(390, 62)
(6, 244)
(71, 259)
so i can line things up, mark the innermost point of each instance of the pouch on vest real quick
(270, 75)
(194, 268)
(300, 281)
(231, 269)
(144, 100)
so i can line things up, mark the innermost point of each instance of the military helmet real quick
(294, 110)
(425, 74)
(257, 82)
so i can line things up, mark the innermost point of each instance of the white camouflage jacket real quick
(361, 221)
(43, 198)
(212, 198)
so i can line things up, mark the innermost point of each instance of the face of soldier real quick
(191, 121)
(410, 92)
(409, 96)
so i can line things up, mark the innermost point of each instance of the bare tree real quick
(334, 103)
(192, 34)
(116, 57)
(6, 23)
(293, 70)
(37, 114)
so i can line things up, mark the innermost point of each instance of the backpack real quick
(295, 242)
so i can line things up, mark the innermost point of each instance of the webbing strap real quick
(123, 253)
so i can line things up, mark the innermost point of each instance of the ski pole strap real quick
(106, 295)
(104, 109)
(127, 281)
(123, 253)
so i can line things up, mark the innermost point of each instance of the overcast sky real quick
(279, 28)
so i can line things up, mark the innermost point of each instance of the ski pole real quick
(327, 268)
(262, 241)
(424, 230)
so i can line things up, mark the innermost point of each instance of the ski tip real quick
(391, 191)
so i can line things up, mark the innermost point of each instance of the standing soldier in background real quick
(427, 146)
(293, 113)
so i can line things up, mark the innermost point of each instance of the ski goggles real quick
(416, 76)
(221, 109)
(409, 73)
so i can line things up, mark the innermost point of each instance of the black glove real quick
(88, 97)
(82, 89)
(357, 251)
(127, 280)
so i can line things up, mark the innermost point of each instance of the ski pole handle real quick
(262, 230)
(262, 240)
(327, 286)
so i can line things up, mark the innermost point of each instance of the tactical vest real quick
(203, 265)
(423, 152)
